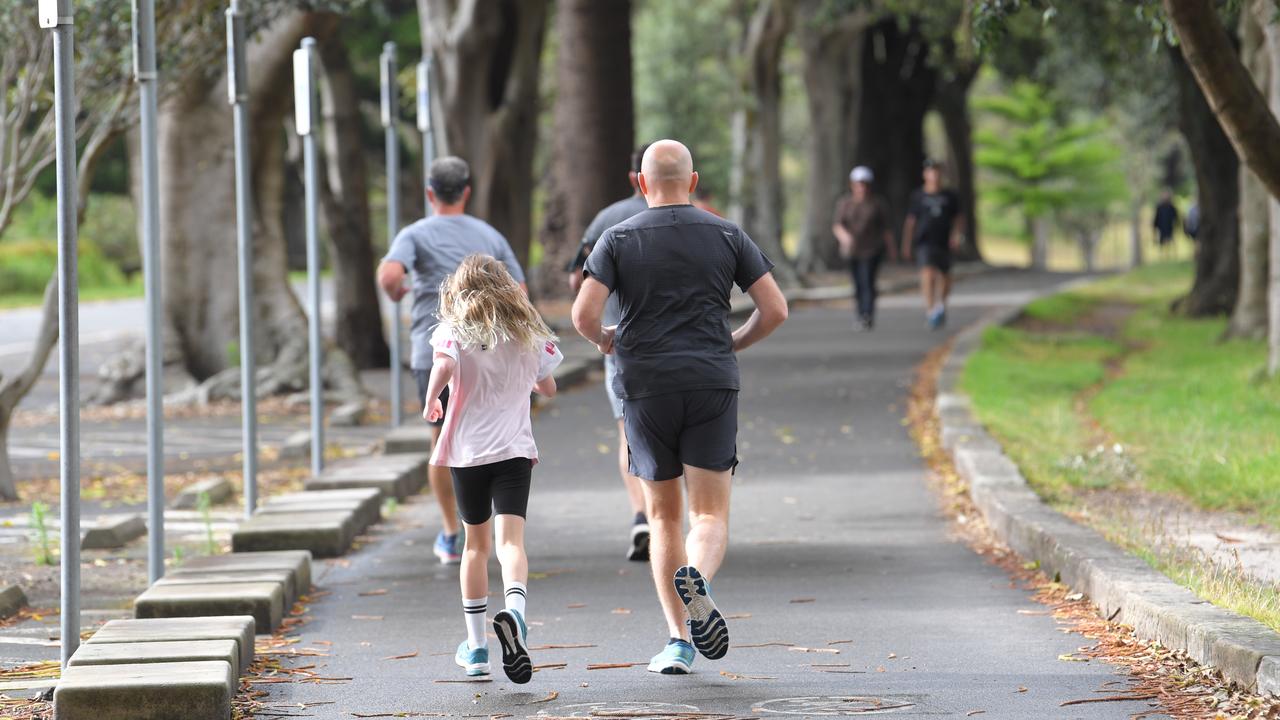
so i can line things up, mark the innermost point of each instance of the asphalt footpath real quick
(840, 571)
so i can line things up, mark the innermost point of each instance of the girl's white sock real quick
(516, 594)
(476, 612)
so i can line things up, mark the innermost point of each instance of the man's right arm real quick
(391, 279)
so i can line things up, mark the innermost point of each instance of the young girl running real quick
(491, 349)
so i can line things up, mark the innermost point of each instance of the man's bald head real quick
(666, 173)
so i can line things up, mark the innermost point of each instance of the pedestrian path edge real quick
(1122, 586)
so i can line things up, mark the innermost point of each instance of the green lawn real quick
(1188, 412)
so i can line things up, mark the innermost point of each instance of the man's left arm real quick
(771, 311)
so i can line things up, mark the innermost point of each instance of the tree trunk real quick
(760, 83)
(1249, 319)
(1135, 235)
(891, 129)
(951, 100)
(1087, 241)
(594, 125)
(345, 194)
(1040, 243)
(832, 74)
(13, 389)
(1217, 258)
(1271, 32)
(197, 212)
(486, 82)
(1237, 102)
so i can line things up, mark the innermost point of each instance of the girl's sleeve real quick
(443, 342)
(549, 359)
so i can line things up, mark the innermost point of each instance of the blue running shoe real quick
(512, 635)
(675, 659)
(707, 627)
(475, 662)
(447, 548)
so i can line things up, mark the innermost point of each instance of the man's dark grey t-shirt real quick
(672, 269)
(605, 219)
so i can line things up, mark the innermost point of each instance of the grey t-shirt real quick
(432, 248)
(672, 269)
(605, 219)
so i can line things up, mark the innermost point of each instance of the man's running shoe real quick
(675, 659)
(935, 318)
(707, 627)
(639, 551)
(511, 631)
(448, 548)
(475, 662)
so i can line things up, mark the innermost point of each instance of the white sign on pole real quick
(51, 15)
(424, 97)
(303, 98)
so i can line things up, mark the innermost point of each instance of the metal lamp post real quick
(390, 112)
(304, 117)
(238, 96)
(424, 122)
(144, 71)
(56, 15)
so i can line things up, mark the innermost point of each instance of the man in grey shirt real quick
(432, 248)
(605, 219)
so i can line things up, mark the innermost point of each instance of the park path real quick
(830, 508)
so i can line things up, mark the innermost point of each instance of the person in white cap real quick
(861, 227)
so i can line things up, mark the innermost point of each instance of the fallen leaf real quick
(550, 696)
(1227, 538)
(1109, 698)
(879, 668)
(469, 680)
(563, 646)
(550, 666)
(799, 601)
(372, 593)
(821, 665)
(575, 606)
(621, 611)
(971, 713)
(1022, 688)
(737, 676)
(766, 644)
(737, 616)
(831, 651)
(1072, 658)
(613, 666)
(366, 617)
(839, 642)
(893, 655)
(405, 656)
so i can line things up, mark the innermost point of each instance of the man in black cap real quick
(931, 233)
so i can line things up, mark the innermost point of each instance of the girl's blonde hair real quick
(485, 306)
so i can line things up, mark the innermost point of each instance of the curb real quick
(1122, 586)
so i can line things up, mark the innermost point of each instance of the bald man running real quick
(677, 375)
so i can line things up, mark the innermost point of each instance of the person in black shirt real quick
(672, 269)
(605, 219)
(1166, 218)
(931, 233)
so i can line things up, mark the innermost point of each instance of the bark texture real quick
(1271, 33)
(345, 194)
(594, 126)
(898, 86)
(1217, 257)
(1237, 102)
(761, 131)
(1249, 318)
(833, 83)
(486, 81)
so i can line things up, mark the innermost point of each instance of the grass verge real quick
(1102, 387)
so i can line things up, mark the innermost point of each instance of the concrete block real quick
(109, 533)
(145, 691)
(226, 650)
(228, 627)
(980, 465)
(390, 484)
(199, 577)
(323, 534)
(948, 400)
(366, 503)
(296, 561)
(218, 489)
(412, 438)
(1269, 676)
(297, 445)
(263, 600)
(12, 599)
(1235, 645)
(968, 435)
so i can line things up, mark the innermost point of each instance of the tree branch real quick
(1237, 102)
(13, 390)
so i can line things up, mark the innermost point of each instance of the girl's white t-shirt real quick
(487, 420)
